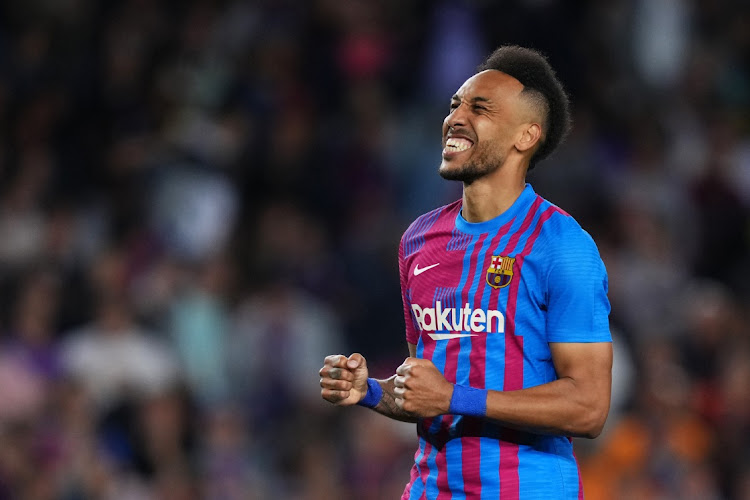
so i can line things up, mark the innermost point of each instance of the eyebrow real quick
(473, 99)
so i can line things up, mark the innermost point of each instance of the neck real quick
(490, 196)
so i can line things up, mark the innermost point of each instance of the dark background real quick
(199, 200)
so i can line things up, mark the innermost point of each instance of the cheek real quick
(500, 139)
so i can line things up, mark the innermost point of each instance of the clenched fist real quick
(343, 380)
(421, 389)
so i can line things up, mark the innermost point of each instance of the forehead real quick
(490, 84)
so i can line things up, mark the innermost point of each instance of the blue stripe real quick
(490, 465)
(454, 466)
(534, 472)
(431, 487)
(417, 488)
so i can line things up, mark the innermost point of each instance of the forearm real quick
(559, 407)
(387, 405)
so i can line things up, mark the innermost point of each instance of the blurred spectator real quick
(279, 336)
(200, 326)
(115, 359)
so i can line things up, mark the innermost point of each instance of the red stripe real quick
(513, 379)
(470, 452)
(444, 492)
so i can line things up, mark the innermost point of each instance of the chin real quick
(452, 173)
(449, 167)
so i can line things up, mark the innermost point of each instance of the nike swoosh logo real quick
(448, 336)
(418, 271)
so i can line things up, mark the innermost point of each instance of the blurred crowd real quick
(201, 199)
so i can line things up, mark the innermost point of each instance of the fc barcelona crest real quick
(500, 271)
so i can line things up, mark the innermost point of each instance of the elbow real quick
(592, 424)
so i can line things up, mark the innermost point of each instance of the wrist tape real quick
(468, 401)
(374, 394)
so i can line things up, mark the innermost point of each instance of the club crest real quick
(500, 271)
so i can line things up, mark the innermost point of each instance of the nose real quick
(457, 116)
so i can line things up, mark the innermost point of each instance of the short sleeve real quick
(577, 286)
(412, 335)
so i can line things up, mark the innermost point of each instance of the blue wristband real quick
(374, 394)
(468, 401)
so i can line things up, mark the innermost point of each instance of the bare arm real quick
(576, 404)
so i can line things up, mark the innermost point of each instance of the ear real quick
(530, 137)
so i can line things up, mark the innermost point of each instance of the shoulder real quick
(566, 250)
(425, 221)
(561, 231)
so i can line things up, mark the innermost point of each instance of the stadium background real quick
(200, 199)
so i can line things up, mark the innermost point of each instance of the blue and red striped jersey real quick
(483, 301)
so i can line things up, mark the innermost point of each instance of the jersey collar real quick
(522, 203)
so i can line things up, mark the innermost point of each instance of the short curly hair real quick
(531, 68)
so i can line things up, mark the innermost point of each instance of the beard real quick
(473, 169)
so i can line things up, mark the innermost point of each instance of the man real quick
(505, 300)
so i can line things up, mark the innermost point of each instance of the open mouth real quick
(456, 145)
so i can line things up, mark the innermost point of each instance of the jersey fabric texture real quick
(483, 301)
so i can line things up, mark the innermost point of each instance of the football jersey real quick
(483, 301)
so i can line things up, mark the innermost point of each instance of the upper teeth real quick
(458, 144)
